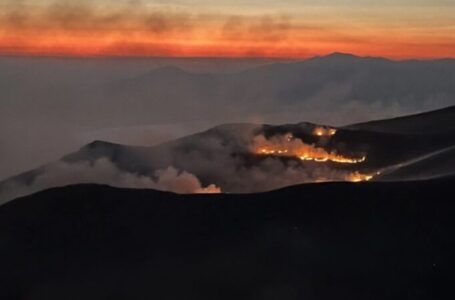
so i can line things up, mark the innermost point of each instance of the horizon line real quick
(227, 57)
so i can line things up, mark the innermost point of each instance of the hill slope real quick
(325, 241)
(437, 164)
(228, 156)
(425, 123)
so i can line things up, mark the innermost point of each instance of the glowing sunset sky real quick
(228, 28)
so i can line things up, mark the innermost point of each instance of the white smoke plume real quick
(103, 171)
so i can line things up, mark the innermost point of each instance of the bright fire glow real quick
(324, 131)
(211, 189)
(358, 177)
(288, 146)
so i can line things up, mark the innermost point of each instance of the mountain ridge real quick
(441, 119)
(223, 155)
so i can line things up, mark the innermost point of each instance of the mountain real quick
(363, 84)
(130, 95)
(92, 95)
(241, 210)
(229, 158)
(433, 165)
(325, 241)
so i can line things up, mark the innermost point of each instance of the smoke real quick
(103, 171)
(289, 146)
(49, 107)
(227, 156)
(275, 173)
(84, 28)
(180, 182)
(264, 28)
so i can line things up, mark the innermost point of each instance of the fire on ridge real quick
(324, 131)
(289, 146)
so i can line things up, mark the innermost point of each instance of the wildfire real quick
(324, 131)
(288, 146)
(358, 177)
(211, 189)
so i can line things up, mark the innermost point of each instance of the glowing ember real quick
(323, 131)
(358, 177)
(288, 146)
(211, 189)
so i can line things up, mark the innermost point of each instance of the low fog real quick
(51, 106)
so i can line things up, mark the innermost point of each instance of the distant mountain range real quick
(128, 93)
(417, 147)
(331, 83)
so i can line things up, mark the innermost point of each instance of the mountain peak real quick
(337, 57)
(348, 58)
(340, 55)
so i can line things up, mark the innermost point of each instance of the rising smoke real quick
(103, 171)
(226, 158)
(37, 94)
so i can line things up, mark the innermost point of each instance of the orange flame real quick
(323, 131)
(358, 177)
(288, 146)
(210, 189)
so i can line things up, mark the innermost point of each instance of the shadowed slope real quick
(438, 121)
(434, 165)
(325, 241)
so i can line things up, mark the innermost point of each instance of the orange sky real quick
(82, 30)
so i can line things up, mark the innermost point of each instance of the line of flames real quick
(288, 146)
(318, 155)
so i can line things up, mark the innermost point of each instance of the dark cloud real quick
(266, 28)
(82, 16)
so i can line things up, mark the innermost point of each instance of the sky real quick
(228, 28)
